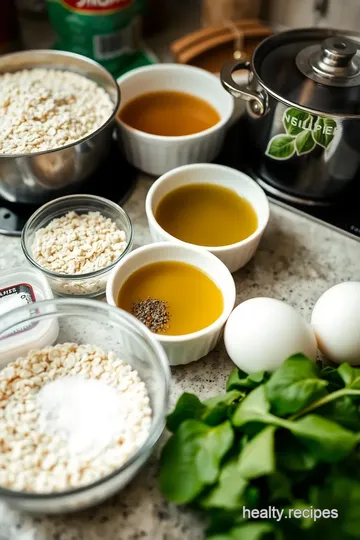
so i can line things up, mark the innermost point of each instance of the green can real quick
(104, 30)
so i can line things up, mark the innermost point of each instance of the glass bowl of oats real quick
(88, 404)
(76, 241)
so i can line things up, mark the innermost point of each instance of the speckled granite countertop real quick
(297, 260)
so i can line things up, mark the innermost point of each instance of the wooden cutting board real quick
(210, 48)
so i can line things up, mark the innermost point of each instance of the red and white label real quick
(96, 6)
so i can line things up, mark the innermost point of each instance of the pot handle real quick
(257, 100)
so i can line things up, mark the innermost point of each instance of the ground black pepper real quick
(153, 313)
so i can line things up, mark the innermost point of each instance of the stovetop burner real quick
(343, 216)
(115, 180)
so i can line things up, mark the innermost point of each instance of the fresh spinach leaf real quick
(179, 478)
(221, 521)
(224, 399)
(344, 411)
(300, 522)
(350, 376)
(191, 458)
(258, 457)
(326, 440)
(279, 487)
(213, 411)
(257, 444)
(219, 537)
(254, 408)
(291, 454)
(229, 491)
(252, 496)
(219, 408)
(250, 531)
(188, 407)
(331, 375)
(239, 380)
(340, 494)
(294, 385)
(214, 446)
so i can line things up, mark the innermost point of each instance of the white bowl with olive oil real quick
(195, 288)
(211, 206)
(171, 115)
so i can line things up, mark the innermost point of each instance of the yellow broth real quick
(169, 113)
(194, 300)
(206, 215)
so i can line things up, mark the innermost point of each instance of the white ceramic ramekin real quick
(189, 347)
(157, 154)
(234, 256)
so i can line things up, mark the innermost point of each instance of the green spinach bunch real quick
(286, 440)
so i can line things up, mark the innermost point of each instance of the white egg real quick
(262, 333)
(336, 322)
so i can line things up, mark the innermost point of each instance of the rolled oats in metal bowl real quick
(43, 109)
(57, 112)
(76, 241)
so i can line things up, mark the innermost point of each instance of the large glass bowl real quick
(91, 284)
(88, 321)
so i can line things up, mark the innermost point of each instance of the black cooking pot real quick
(303, 107)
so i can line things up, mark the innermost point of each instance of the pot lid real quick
(316, 69)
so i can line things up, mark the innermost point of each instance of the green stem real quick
(326, 399)
(280, 422)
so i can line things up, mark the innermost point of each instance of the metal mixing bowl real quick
(40, 176)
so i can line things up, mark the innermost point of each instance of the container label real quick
(105, 30)
(95, 7)
(303, 132)
(16, 296)
(111, 45)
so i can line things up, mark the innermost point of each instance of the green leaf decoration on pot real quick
(303, 132)
(281, 147)
(295, 121)
(324, 131)
(304, 143)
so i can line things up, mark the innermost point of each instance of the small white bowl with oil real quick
(187, 347)
(234, 255)
(157, 154)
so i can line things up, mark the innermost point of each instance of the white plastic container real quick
(19, 287)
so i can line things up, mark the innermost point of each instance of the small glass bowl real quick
(91, 284)
(85, 321)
